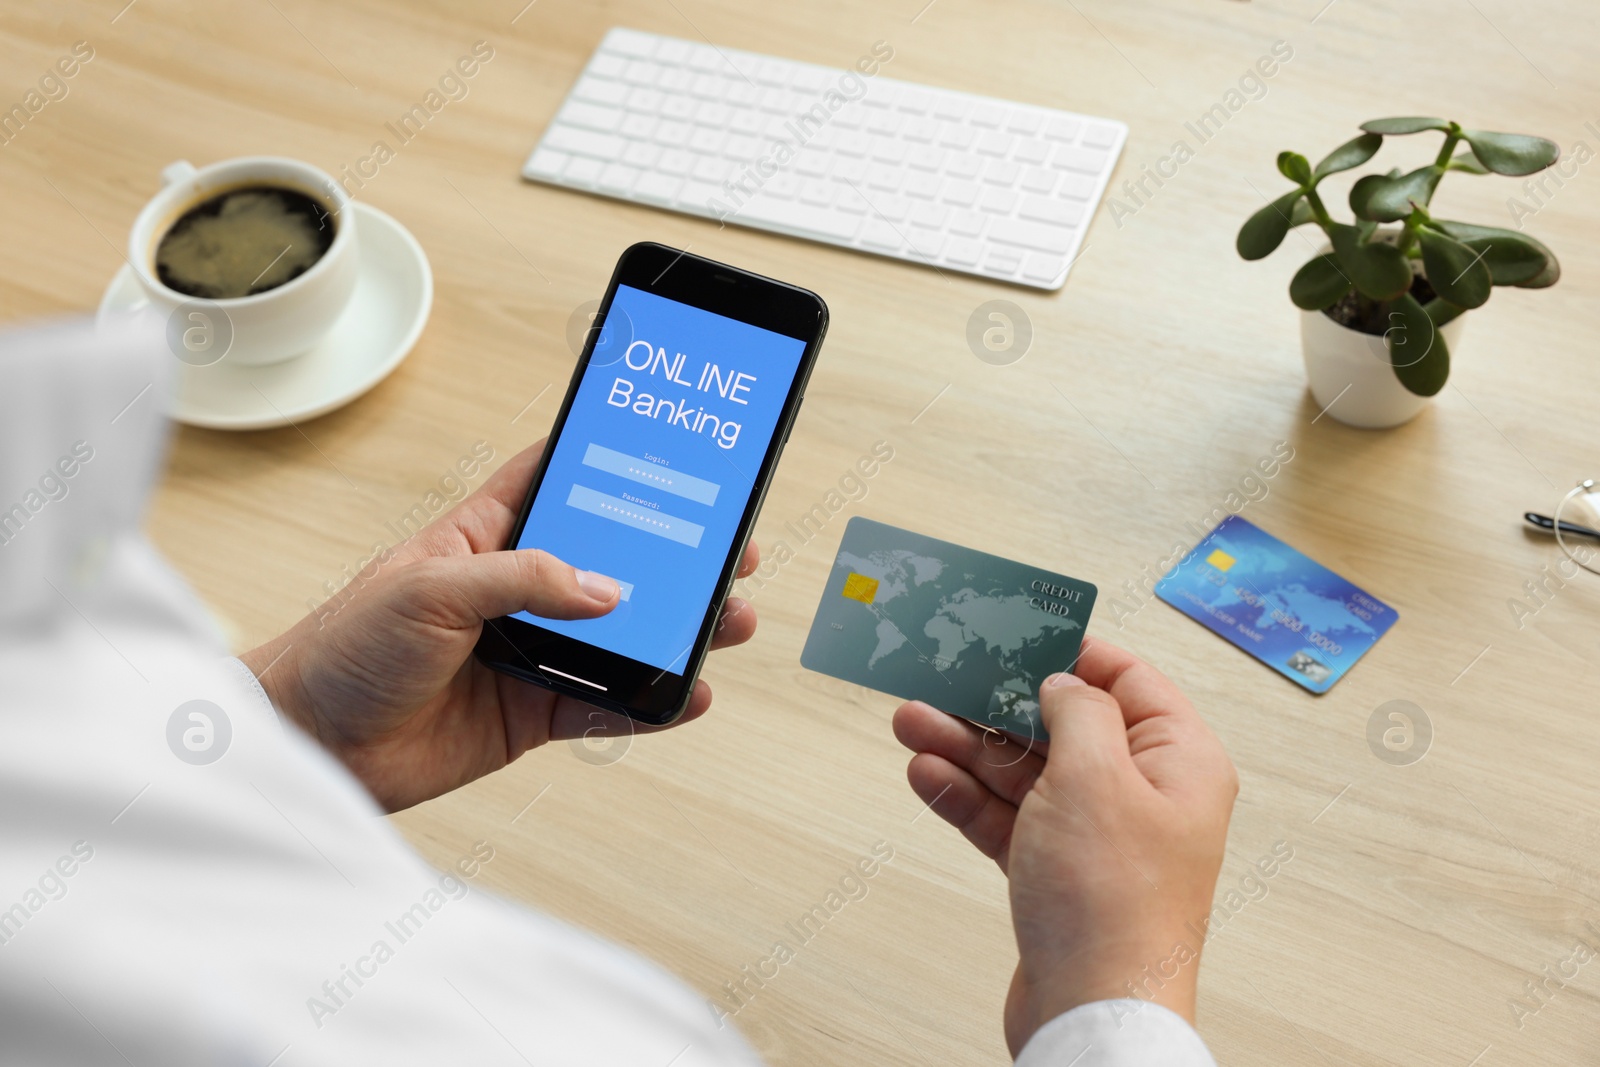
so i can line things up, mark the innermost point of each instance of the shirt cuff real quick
(1116, 1033)
(252, 685)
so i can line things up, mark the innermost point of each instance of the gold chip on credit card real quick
(860, 587)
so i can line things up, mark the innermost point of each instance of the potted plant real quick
(1382, 304)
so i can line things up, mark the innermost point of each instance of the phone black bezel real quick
(638, 690)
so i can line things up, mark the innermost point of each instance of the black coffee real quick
(244, 241)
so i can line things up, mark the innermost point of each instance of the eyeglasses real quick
(1576, 525)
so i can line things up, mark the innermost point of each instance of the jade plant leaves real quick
(1468, 162)
(1264, 231)
(1319, 284)
(1417, 351)
(1352, 153)
(1455, 271)
(1380, 271)
(1295, 167)
(1511, 153)
(1410, 124)
(1381, 198)
(1513, 258)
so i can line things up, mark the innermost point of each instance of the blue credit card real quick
(1284, 608)
(970, 633)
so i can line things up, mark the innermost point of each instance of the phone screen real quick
(657, 460)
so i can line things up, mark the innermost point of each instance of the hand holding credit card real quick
(970, 633)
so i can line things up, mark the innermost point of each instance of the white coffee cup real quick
(266, 327)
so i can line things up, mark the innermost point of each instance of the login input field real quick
(654, 475)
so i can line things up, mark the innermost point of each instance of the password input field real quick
(637, 516)
(643, 471)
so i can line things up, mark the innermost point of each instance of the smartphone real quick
(688, 385)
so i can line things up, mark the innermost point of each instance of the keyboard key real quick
(773, 72)
(707, 140)
(987, 115)
(703, 198)
(712, 113)
(1077, 186)
(852, 171)
(1039, 179)
(881, 235)
(1099, 135)
(960, 193)
(968, 223)
(885, 122)
(998, 201)
(1043, 268)
(1060, 129)
(600, 90)
(607, 66)
(963, 252)
(925, 157)
(1044, 209)
(646, 101)
(963, 166)
(1002, 261)
(675, 161)
(783, 185)
(590, 116)
(630, 42)
(676, 80)
(1031, 150)
(995, 143)
(657, 188)
(855, 144)
(881, 94)
(640, 72)
(922, 185)
(954, 136)
(750, 122)
(547, 163)
(641, 153)
(794, 215)
(678, 107)
(893, 208)
(582, 171)
(888, 151)
(1002, 172)
(920, 130)
(618, 178)
(812, 162)
(1035, 235)
(950, 107)
(703, 57)
(924, 244)
(930, 215)
(671, 51)
(584, 142)
(673, 133)
(742, 148)
(816, 192)
(712, 169)
(1083, 160)
(852, 202)
(886, 177)
(1027, 122)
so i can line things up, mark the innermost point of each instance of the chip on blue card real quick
(1284, 608)
(922, 619)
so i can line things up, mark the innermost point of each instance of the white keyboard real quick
(960, 182)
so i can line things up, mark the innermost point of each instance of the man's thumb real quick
(487, 585)
(1085, 724)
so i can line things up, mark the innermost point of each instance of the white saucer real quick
(377, 330)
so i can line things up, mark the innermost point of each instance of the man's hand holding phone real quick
(389, 683)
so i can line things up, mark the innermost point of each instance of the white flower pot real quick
(1351, 376)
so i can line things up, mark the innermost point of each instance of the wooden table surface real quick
(1420, 899)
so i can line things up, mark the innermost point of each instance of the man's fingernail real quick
(598, 586)
(1063, 678)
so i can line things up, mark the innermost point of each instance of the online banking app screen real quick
(656, 464)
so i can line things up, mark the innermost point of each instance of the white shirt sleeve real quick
(1116, 1033)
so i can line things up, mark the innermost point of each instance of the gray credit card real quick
(970, 633)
